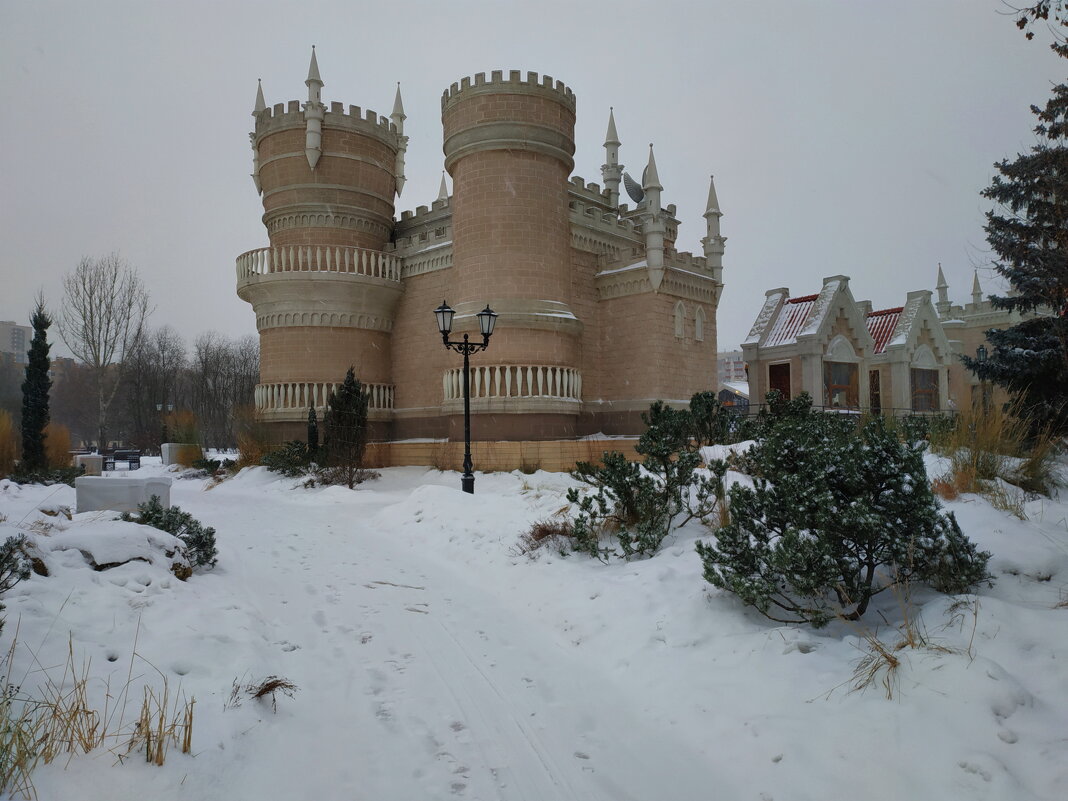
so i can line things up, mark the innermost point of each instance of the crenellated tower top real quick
(514, 84)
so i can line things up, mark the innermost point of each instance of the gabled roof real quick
(795, 313)
(882, 324)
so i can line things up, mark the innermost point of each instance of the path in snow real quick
(415, 682)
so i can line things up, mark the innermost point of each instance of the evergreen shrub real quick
(14, 566)
(292, 459)
(199, 542)
(836, 515)
(640, 503)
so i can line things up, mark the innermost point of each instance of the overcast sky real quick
(845, 137)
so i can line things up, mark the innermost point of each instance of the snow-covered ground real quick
(434, 661)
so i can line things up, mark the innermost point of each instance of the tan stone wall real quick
(419, 358)
(510, 227)
(642, 357)
(557, 456)
(354, 176)
(320, 353)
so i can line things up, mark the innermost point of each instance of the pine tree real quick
(346, 430)
(1031, 241)
(35, 394)
(313, 432)
(834, 517)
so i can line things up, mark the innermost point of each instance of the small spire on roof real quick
(260, 104)
(443, 192)
(943, 305)
(313, 71)
(611, 138)
(977, 291)
(398, 106)
(713, 201)
(651, 180)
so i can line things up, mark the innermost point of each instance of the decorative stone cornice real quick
(350, 218)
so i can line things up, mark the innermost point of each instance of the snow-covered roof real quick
(795, 313)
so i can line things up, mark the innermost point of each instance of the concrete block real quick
(93, 463)
(171, 450)
(120, 494)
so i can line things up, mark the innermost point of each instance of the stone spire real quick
(260, 106)
(650, 178)
(314, 110)
(397, 118)
(977, 291)
(942, 287)
(314, 77)
(653, 223)
(713, 242)
(443, 192)
(612, 170)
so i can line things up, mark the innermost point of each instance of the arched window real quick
(680, 320)
(699, 325)
(840, 375)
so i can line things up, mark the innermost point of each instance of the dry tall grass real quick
(253, 441)
(57, 445)
(989, 448)
(7, 444)
(61, 718)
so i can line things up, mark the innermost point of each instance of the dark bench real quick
(132, 459)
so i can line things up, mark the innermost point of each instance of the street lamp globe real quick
(487, 318)
(444, 313)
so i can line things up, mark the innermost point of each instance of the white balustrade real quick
(301, 395)
(514, 381)
(318, 258)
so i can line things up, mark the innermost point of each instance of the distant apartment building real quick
(15, 340)
(731, 367)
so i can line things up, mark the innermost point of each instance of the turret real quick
(612, 170)
(713, 242)
(942, 287)
(977, 291)
(314, 110)
(653, 222)
(260, 106)
(398, 117)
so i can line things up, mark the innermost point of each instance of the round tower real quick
(509, 143)
(324, 292)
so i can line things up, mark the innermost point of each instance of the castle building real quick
(599, 314)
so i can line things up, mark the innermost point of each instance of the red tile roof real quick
(882, 324)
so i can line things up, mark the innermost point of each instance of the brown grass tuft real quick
(57, 445)
(7, 443)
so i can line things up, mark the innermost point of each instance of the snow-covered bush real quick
(835, 516)
(199, 542)
(639, 504)
(14, 566)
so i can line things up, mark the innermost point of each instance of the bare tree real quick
(154, 373)
(222, 377)
(104, 311)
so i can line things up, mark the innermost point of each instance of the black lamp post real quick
(486, 320)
